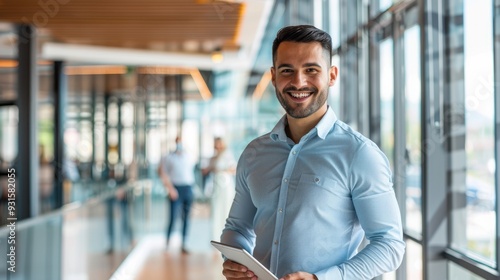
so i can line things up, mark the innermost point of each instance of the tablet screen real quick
(243, 257)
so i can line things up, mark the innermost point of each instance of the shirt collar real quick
(322, 128)
(278, 132)
(326, 123)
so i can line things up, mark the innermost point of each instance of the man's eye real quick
(312, 70)
(286, 71)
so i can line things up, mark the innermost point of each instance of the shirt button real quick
(286, 180)
(281, 210)
(316, 180)
(275, 242)
(294, 152)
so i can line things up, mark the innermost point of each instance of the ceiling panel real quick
(179, 25)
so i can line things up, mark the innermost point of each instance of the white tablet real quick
(241, 256)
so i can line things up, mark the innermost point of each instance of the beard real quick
(302, 110)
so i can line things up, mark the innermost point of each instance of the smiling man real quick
(308, 192)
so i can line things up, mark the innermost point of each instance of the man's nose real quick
(298, 80)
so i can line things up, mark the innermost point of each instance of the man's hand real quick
(299, 276)
(173, 194)
(232, 270)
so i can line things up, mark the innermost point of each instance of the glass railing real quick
(82, 240)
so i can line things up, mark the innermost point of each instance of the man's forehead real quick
(294, 44)
(313, 51)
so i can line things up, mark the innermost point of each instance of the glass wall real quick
(413, 126)
(432, 108)
(480, 130)
(386, 90)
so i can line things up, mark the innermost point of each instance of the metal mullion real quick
(395, 8)
(496, 67)
(364, 73)
(435, 156)
(471, 264)
(399, 122)
(374, 94)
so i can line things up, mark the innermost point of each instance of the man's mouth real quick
(300, 95)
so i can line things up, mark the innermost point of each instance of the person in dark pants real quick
(176, 171)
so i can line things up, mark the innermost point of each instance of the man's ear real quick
(334, 71)
(273, 76)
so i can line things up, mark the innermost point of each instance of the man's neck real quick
(297, 128)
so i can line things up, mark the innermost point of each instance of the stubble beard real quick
(298, 112)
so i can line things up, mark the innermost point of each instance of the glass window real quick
(350, 90)
(334, 23)
(385, 4)
(153, 146)
(127, 141)
(99, 132)
(85, 145)
(334, 96)
(191, 138)
(113, 114)
(127, 114)
(127, 145)
(386, 52)
(47, 164)
(414, 268)
(413, 129)
(347, 19)
(8, 135)
(479, 120)
(352, 18)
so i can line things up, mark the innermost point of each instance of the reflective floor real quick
(176, 266)
(151, 259)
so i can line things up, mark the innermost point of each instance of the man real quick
(311, 189)
(176, 172)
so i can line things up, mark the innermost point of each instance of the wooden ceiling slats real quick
(118, 23)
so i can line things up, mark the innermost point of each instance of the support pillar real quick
(60, 94)
(27, 163)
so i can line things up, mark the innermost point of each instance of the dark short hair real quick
(303, 34)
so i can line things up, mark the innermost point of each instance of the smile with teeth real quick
(300, 94)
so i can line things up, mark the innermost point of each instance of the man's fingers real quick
(232, 274)
(233, 270)
(230, 265)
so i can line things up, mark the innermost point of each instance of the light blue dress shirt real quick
(307, 206)
(179, 166)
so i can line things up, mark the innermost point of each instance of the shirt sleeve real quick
(239, 229)
(378, 212)
(164, 163)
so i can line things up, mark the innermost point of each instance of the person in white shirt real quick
(176, 171)
(223, 167)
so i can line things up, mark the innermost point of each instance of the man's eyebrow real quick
(285, 66)
(309, 64)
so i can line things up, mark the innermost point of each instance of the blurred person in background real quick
(222, 166)
(176, 171)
